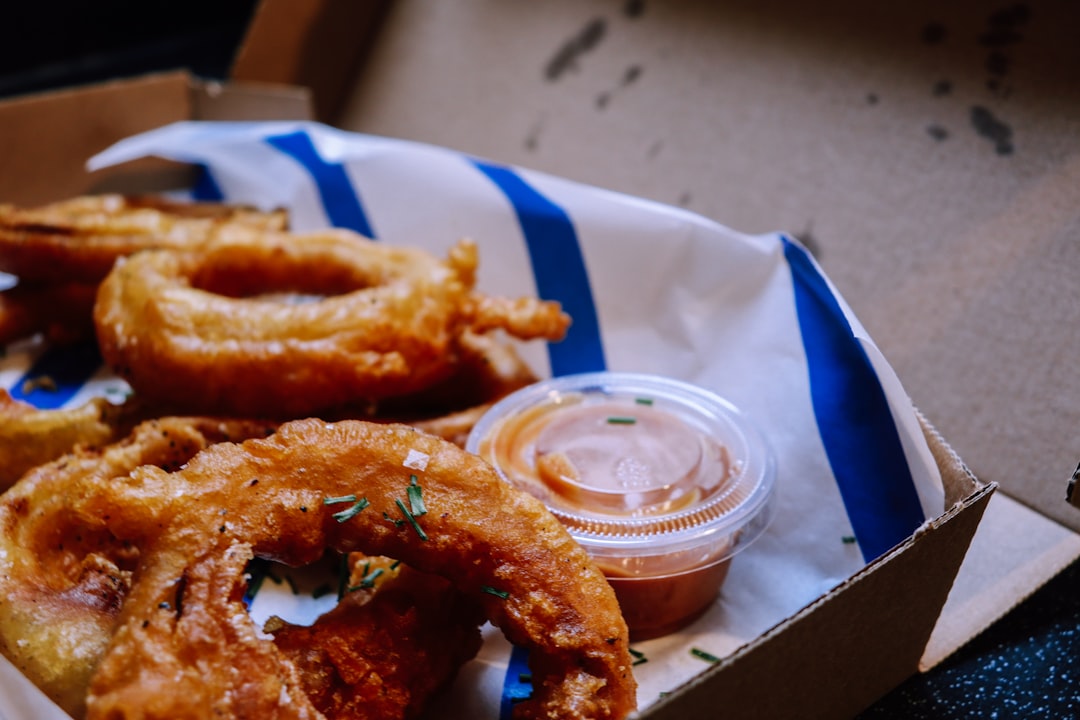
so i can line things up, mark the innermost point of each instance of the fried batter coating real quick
(78, 240)
(183, 643)
(372, 322)
(488, 370)
(61, 583)
(63, 313)
(30, 436)
(395, 639)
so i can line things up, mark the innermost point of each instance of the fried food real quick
(78, 240)
(396, 638)
(286, 326)
(61, 583)
(30, 436)
(62, 313)
(183, 632)
(488, 370)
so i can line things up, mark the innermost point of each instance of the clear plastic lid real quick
(651, 475)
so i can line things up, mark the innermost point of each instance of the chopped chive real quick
(848, 539)
(352, 511)
(497, 593)
(398, 523)
(412, 521)
(639, 657)
(368, 581)
(337, 500)
(394, 565)
(643, 401)
(416, 497)
(620, 420)
(707, 657)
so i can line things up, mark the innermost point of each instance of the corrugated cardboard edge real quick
(251, 101)
(1015, 551)
(847, 649)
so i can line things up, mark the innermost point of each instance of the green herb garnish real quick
(416, 497)
(707, 657)
(412, 521)
(639, 657)
(352, 511)
(338, 500)
(643, 401)
(621, 420)
(368, 581)
(497, 593)
(848, 539)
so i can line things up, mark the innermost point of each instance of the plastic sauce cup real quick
(661, 482)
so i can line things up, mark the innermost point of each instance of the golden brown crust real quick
(495, 544)
(61, 583)
(388, 321)
(30, 436)
(396, 638)
(78, 240)
(62, 313)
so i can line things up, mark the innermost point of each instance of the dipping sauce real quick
(659, 480)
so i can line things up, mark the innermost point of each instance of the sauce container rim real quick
(742, 523)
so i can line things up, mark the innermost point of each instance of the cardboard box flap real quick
(39, 171)
(1015, 550)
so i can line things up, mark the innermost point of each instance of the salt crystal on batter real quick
(416, 460)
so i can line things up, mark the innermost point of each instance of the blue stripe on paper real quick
(339, 198)
(67, 368)
(206, 188)
(517, 685)
(853, 416)
(559, 268)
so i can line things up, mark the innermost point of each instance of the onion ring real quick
(61, 583)
(268, 498)
(387, 321)
(78, 240)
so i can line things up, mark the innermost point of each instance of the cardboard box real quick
(935, 181)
